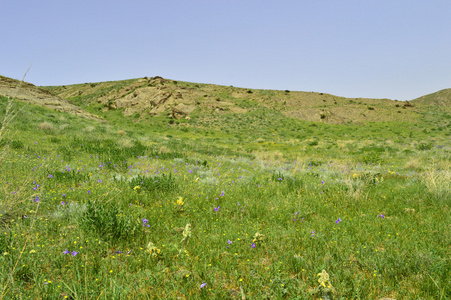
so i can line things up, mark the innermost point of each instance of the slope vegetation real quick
(157, 96)
(30, 93)
(440, 98)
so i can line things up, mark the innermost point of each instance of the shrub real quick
(17, 144)
(313, 143)
(424, 146)
(108, 221)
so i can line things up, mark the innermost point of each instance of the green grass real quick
(368, 204)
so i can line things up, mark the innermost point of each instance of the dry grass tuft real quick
(438, 182)
(46, 126)
(413, 164)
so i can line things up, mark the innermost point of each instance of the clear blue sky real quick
(397, 49)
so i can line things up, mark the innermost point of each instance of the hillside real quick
(157, 96)
(234, 196)
(28, 92)
(440, 98)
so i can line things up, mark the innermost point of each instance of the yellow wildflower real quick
(324, 278)
(153, 250)
(180, 201)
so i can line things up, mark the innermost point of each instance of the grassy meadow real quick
(228, 206)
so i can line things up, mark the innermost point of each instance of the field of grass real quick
(235, 206)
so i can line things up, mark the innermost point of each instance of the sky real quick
(396, 49)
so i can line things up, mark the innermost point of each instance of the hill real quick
(440, 98)
(28, 92)
(212, 192)
(157, 96)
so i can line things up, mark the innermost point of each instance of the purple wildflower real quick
(203, 284)
(382, 216)
(313, 233)
(217, 208)
(74, 253)
(338, 221)
(145, 222)
(66, 252)
(253, 245)
(229, 242)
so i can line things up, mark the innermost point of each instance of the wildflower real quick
(136, 188)
(74, 253)
(119, 252)
(50, 176)
(258, 237)
(180, 201)
(35, 199)
(313, 233)
(338, 221)
(203, 285)
(222, 194)
(153, 250)
(186, 236)
(253, 245)
(325, 285)
(187, 231)
(382, 216)
(32, 251)
(217, 208)
(66, 252)
(323, 278)
(145, 222)
(229, 242)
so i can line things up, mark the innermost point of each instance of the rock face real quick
(28, 92)
(154, 96)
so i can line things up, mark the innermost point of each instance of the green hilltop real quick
(441, 98)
